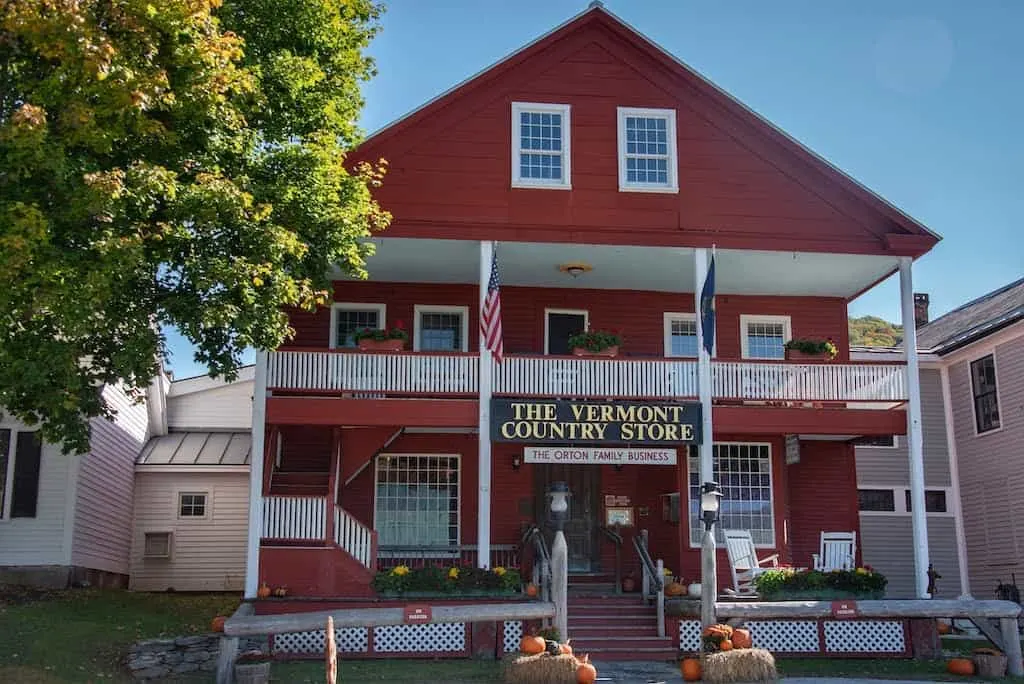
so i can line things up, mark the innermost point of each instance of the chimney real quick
(920, 309)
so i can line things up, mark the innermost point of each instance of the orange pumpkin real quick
(674, 589)
(217, 624)
(565, 649)
(585, 672)
(690, 668)
(943, 627)
(726, 645)
(741, 638)
(532, 645)
(264, 591)
(961, 666)
(531, 590)
(721, 631)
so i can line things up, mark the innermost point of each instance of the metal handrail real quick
(650, 568)
(654, 577)
(616, 539)
(541, 573)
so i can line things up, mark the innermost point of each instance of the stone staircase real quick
(612, 627)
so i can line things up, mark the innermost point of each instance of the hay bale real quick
(542, 668)
(740, 665)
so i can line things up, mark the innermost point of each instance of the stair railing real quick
(541, 573)
(616, 538)
(653, 578)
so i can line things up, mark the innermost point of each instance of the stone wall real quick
(158, 659)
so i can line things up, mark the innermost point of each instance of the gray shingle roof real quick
(197, 448)
(974, 319)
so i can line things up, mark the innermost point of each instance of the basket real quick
(989, 663)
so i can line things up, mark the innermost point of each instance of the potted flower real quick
(811, 349)
(253, 667)
(382, 339)
(595, 343)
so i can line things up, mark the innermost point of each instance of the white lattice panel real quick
(513, 634)
(864, 636)
(348, 640)
(444, 637)
(689, 635)
(785, 636)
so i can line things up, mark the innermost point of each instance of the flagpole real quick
(704, 288)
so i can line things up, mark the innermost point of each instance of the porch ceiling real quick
(629, 268)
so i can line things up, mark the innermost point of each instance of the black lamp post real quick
(710, 502)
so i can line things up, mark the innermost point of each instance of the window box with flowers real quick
(438, 581)
(789, 584)
(797, 350)
(595, 343)
(382, 339)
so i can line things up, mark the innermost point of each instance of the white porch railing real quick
(398, 372)
(354, 537)
(375, 374)
(299, 518)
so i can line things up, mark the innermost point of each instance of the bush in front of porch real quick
(787, 583)
(438, 580)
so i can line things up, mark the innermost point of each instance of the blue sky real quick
(919, 100)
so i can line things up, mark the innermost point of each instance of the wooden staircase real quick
(299, 483)
(617, 628)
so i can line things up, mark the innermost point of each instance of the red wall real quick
(639, 315)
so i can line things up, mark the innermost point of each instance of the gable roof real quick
(911, 239)
(974, 320)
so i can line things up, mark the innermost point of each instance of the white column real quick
(259, 414)
(915, 443)
(954, 481)
(700, 268)
(483, 513)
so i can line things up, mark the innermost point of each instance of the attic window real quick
(540, 145)
(647, 150)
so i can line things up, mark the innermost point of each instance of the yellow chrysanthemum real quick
(400, 570)
(499, 571)
(453, 573)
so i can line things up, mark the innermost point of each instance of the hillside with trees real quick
(871, 331)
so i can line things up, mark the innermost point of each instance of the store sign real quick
(564, 421)
(600, 456)
(844, 609)
(416, 613)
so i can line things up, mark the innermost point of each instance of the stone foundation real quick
(159, 659)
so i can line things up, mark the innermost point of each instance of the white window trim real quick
(381, 310)
(669, 318)
(207, 503)
(170, 544)
(747, 319)
(565, 183)
(771, 488)
(899, 498)
(458, 486)
(673, 160)
(970, 389)
(8, 486)
(895, 445)
(420, 309)
(547, 322)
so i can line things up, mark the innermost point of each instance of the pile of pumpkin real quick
(716, 638)
(547, 660)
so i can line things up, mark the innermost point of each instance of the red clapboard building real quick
(599, 175)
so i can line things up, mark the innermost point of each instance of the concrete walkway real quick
(644, 672)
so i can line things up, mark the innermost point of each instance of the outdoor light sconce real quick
(710, 502)
(559, 496)
(516, 462)
(618, 467)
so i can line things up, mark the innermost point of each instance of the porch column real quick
(483, 520)
(954, 481)
(259, 414)
(919, 518)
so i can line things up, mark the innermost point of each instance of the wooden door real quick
(581, 530)
(560, 326)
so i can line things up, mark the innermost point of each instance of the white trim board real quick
(381, 310)
(575, 312)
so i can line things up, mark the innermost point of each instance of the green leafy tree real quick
(171, 162)
(871, 331)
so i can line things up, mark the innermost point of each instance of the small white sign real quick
(599, 455)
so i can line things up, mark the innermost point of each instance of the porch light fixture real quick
(559, 496)
(710, 502)
(575, 269)
(516, 462)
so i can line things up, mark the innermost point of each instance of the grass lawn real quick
(81, 635)
(447, 671)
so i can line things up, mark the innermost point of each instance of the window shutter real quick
(26, 475)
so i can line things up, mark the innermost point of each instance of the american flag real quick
(490, 315)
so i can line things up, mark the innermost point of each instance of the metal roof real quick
(197, 448)
(975, 319)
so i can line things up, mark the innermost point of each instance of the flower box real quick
(609, 351)
(797, 355)
(821, 595)
(391, 345)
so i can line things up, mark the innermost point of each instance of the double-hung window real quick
(441, 328)
(983, 388)
(647, 150)
(681, 334)
(540, 145)
(417, 500)
(346, 319)
(764, 337)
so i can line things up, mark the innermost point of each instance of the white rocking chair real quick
(838, 551)
(743, 561)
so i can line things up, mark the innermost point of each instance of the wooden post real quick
(1011, 640)
(229, 649)
(660, 598)
(332, 483)
(708, 579)
(331, 652)
(560, 583)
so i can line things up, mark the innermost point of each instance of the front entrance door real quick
(581, 530)
(559, 326)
